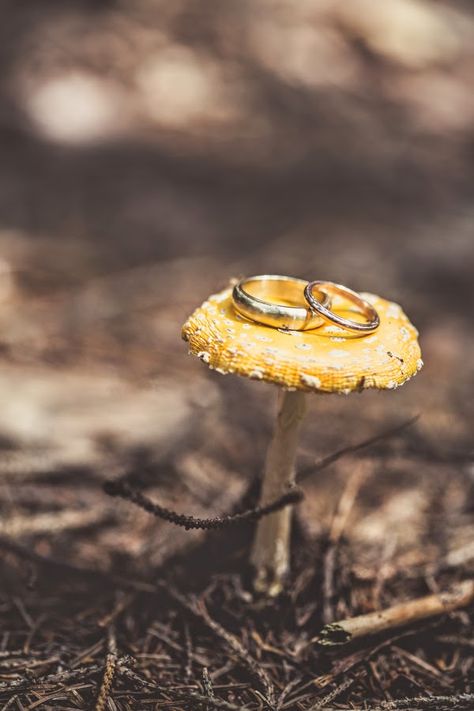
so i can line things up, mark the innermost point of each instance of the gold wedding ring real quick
(332, 289)
(279, 301)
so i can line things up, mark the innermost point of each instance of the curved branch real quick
(117, 488)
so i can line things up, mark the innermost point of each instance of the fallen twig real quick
(346, 502)
(181, 694)
(459, 702)
(207, 683)
(59, 678)
(109, 672)
(65, 567)
(214, 702)
(199, 610)
(117, 488)
(107, 681)
(332, 695)
(9, 705)
(331, 458)
(55, 522)
(237, 647)
(123, 602)
(459, 595)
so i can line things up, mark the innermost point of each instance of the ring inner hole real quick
(283, 293)
(344, 306)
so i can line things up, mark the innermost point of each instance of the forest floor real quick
(346, 156)
(104, 606)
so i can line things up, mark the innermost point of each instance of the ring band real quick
(269, 299)
(373, 320)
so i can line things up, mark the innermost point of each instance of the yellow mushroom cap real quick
(326, 359)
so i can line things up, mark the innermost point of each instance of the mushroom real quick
(323, 360)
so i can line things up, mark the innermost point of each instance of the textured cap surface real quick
(326, 359)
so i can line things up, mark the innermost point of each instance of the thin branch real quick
(214, 702)
(207, 684)
(109, 672)
(360, 473)
(65, 567)
(242, 653)
(199, 611)
(331, 458)
(332, 695)
(58, 678)
(117, 488)
(460, 702)
(180, 695)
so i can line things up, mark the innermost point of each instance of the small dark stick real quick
(317, 466)
(199, 610)
(117, 488)
(242, 653)
(207, 683)
(181, 695)
(10, 703)
(332, 695)
(25, 684)
(459, 702)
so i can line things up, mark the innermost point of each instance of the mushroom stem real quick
(270, 552)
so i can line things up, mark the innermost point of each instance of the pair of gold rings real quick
(297, 305)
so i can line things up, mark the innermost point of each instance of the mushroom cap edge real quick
(326, 359)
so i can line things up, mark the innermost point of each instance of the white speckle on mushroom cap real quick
(419, 364)
(256, 373)
(336, 339)
(220, 297)
(264, 339)
(337, 353)
(332, 329)
(204, 356)
(311, 380)
(303, 346)
(371, 298)
(393, 310)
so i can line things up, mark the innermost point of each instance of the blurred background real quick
(152, 150)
